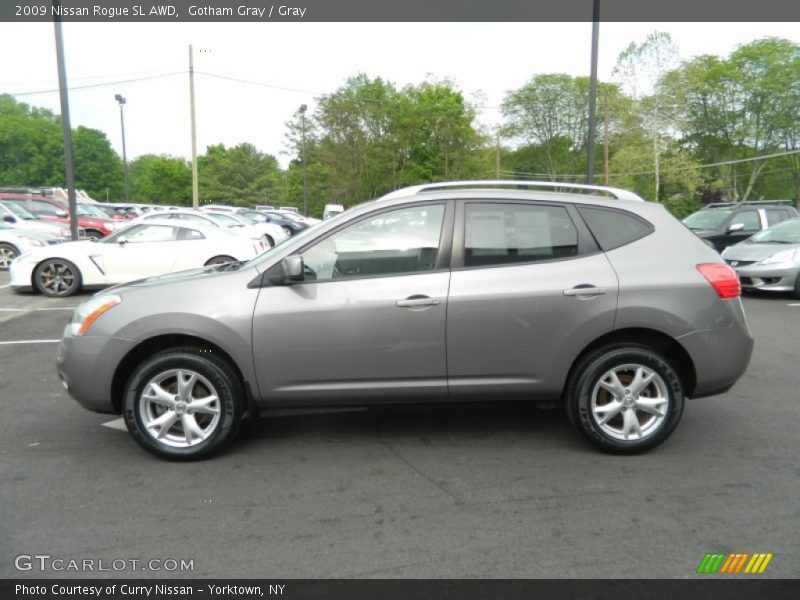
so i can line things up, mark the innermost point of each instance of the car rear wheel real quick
(625, 398)
(91, 234)
(8, 252)
(796, 292)
(183, 404)
(219, 260)
(269, 240)
(57, 277)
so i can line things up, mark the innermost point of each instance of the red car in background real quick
(57, 211)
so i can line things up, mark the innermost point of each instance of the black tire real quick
(57, 278)
(584, 385)
(91, 234)
(270, 241)
(8, 252)
(796, 291)
(225, 385)
(219, 260)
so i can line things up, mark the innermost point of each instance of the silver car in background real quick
(450, 292)
(769, 261)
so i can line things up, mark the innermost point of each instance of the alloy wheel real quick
(179, 408)
(57, 277)
(630, 402)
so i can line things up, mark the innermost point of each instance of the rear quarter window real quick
(614, 228)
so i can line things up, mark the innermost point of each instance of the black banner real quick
(650, 589)
(399, 10)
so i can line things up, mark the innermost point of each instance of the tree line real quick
(681, 133)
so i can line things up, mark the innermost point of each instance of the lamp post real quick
(302, 111)
(121, 100)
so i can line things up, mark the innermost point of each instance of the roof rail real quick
(617, 193)
(750, 203)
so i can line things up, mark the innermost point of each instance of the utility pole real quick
(65, 123)
(122, 101)
(302, 111)
(655, 150)
(605, 136)
(592, 94)
(195, 187)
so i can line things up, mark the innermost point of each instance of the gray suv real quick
(450, 292)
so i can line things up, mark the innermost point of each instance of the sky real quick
(297, 62)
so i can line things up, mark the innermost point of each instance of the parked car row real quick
(760, 240)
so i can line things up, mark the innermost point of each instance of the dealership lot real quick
(492, 490)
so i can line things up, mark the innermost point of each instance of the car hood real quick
(40, 234)
(756, 251)
(170, 278)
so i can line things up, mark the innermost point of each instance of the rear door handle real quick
(415, 301)
(586, 290)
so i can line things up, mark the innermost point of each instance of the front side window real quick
(391, 243)
(151, 233)
(749, 219)
(499, 234)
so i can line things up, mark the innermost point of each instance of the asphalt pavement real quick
(486, 490)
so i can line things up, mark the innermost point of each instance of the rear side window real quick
(776, 215)
(500, 234)
(614, 228)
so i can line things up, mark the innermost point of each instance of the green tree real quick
(240, 176)
(160, 179)
(97, 167)
(31, 149)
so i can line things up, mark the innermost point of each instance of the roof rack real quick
(750, 203)
(617, 193)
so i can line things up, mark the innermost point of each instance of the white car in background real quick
(272, 234)
(137, 251)
(20, 218)
(14, 242)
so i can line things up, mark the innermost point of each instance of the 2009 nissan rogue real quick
(445, 292)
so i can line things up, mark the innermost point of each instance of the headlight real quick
(64, 232)
(780, 257)
(87, 313)
(33, 241)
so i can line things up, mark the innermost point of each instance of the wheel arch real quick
(155, 344)
(670, 348)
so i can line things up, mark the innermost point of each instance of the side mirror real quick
(736, 227)
(9, 219)
(61, 214)
(293, 268)
(121, 240)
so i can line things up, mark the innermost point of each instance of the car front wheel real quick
(183, 404)
(625, 398)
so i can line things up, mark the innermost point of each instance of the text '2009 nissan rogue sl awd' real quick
(446, 292)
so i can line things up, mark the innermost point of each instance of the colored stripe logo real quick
(735, 563)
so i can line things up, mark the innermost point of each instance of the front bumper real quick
(86, 366)
(769, 278)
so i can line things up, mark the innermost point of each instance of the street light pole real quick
(302, 111)
(592, 94)
(195, 185)
(122, 101)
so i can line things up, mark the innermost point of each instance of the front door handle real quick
(417, 301)
(585, 290)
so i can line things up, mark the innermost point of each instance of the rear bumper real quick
(720, 357)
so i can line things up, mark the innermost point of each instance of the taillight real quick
(722, 278)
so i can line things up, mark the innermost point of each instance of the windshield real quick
(92, 211)
(224, 220)
(16, 209)
(706, 219)
(787, 232)
(251, 218)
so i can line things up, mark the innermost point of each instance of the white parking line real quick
(31, 309)
(5, 286)
(30, 342)
(118, 424)
(794, 304)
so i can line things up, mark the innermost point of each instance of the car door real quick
(529, 289)
(141, 251)
(368, 322)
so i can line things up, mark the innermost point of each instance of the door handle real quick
(585, 290)
(415, 301)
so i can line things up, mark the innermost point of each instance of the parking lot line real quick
(29, 342)
(5, 286)
(793, 304)
(32, 309)
(118, 424)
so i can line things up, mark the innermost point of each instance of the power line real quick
(98, 85)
